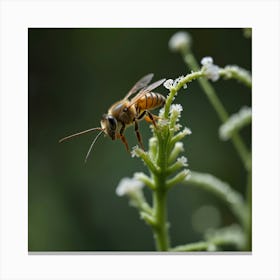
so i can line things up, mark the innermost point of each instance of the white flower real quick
(231, 70)
(161, 112)
(163, 122)
(175, 114)
(176, 108)
(180, 41)
(179, 146)
(210, 70)
(134, 151)
(183, 160)
(212, 73)
(173, 83)
(177, 127)
(187, 131)
(168, 83)
(129, 186)
(206, 60)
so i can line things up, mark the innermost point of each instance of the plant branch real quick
(231, 235)
(219, 108)
(221, 189)
(238, 73)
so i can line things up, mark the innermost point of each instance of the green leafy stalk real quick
(231, 235)
(160, 158)
(161, 226)
(235, 123)
(238, 73)
(222, 190)
(219, 108)
(181, 83)
(248, 221)
(165, 166)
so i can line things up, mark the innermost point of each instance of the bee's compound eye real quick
(113, 123)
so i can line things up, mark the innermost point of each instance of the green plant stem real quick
(219, 108)
(197, 246)
(231, 235)
(237, 73)
(235, 123)
(161, 228)
(248, 222)
(173, 91)
(202, 246)
(159, 196)
(208, 89)
(158, 218)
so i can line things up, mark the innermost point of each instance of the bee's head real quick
(109, 125)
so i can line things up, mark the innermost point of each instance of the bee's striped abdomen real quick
(150, 101)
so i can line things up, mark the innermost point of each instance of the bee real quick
(129, 111)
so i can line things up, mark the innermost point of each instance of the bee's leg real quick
(141, 116)
(123, 138)
(151, 118)
(139, 138)
(125, 143)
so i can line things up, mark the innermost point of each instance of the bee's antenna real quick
(92, 144)
(79, 133)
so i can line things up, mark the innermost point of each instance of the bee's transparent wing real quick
(143, 82)
(154, 85)
(146, 90)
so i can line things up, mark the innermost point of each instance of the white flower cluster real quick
(179, 146)
(235, 122)
(129, 186)
(177, 127)
(180, 41)
(187, 131)
(168, 83)
(173, 83)
(175, 115)
(207, 60)
(176, 108)
(183, 160)
(210, 70)
(135, 151)
(231, 70)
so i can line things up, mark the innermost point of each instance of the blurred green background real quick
(74, 76)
